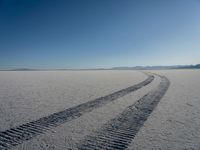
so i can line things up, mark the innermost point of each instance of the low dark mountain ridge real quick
(158, 67)
(118, 68)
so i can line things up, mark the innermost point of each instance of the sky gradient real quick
(47, 34)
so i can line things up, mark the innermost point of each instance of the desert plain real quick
(100, 109)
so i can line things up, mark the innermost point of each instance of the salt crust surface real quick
(30, 95)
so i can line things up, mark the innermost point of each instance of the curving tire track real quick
(17, 135)
(119, 132)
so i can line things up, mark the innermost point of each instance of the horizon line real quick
(104, 68)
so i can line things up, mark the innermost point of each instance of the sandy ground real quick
(175, 123)
(29, 95)
(69, 134)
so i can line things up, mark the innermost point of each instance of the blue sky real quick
(98, 33)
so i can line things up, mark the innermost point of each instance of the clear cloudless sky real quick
(98, 33)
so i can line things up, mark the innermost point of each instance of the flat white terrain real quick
(29, 95)
(175, 122)
(168, 122)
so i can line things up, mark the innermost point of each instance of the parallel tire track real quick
(17, 135)
(119, 132)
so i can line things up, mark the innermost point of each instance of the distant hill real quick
(23, 69)
(119, 68)
(158, 67)
(189, 67)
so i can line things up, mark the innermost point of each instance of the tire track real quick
(119, 132)
(17, 135)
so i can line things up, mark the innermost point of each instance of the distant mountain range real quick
(158, 67)
(119, 68)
